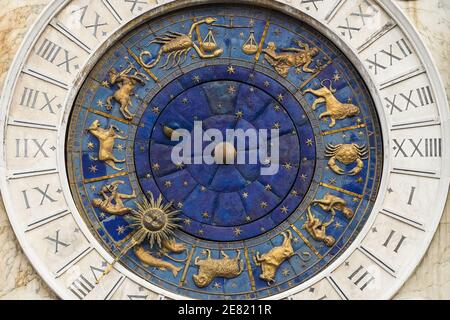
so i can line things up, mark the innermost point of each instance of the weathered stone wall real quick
(431, 280)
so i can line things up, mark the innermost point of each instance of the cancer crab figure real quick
(346, 154)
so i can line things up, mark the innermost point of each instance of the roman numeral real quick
(416, 98)
(48, 50)
(313, 2)
(26, 148)
(57, 242)
(363, 14)
(425, 96)
(423, 148)
(48, 103)
(134, 4)
(95, 24)
(35, 99)
(66, 61)
(362, 278)
(411, 195)
(42, 193)
(386, 58)
(56, 55)
(29, 98)
(399, 243)
(81, 287)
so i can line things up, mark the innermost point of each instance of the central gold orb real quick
(224, 153)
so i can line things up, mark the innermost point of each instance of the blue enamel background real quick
(192, 92)
(218, 189)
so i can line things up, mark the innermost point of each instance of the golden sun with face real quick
(153, 220)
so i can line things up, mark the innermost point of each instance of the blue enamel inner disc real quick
(222, 198)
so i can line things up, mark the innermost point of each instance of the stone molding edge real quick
(391, 8)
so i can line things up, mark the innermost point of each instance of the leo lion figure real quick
(211, 268)
(335, 110)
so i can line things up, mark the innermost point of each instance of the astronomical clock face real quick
(224, 151)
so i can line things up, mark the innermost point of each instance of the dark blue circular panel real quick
(236, 201)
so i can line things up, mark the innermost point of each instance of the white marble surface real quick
(18, 280)
(431, 280)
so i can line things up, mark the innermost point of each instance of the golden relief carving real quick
(127, 83)
(271, 261)
(318, 229)
(331, 203)
(106, 138)
(177, 46)
(171, 246)
(209, 268)
(250, 46)
(155, 222)
(346, 154)
(151, 261)
(112, 199)
(335, 110)
(301, 57)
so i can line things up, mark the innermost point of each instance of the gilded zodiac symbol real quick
(290, 57)
(107, 138)
(250, 46)
(170, 245)
(346, 154)
(177, 46)
(127, 84)
(335, 109)
(330, 203)
(151, 261)
(112, 200)
(318, 229)
(271, 261)
(156, 221)
(167, 246)
(212, 268)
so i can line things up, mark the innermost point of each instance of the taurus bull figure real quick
(271, 261)
(335, 110)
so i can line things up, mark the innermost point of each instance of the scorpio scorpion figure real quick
(177, 46)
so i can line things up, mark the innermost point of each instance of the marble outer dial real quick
(390, 57)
